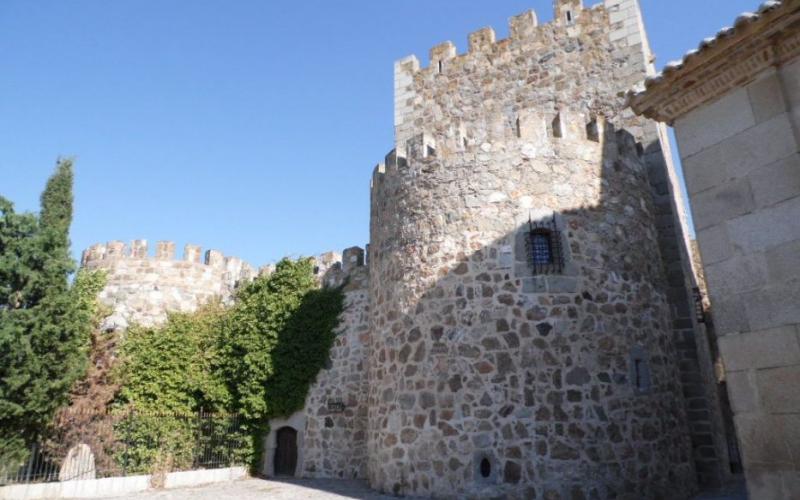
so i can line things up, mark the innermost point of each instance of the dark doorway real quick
(286, 452)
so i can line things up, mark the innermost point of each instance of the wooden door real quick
(286, 452)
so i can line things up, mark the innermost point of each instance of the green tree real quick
(45, 323)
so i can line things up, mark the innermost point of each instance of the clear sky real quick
(249, 126)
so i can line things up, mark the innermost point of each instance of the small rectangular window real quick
(545, 253)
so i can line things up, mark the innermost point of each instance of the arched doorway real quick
(285, 452)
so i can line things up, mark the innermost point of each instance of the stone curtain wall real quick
(142, 289)
(335, 438)
(741, 155)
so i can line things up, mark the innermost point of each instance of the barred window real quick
(540, 242)
(545, 254)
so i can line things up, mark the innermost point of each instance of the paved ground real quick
(318, 489)
(734, 491)
(252, 489)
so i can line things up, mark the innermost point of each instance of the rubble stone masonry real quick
(460, 368)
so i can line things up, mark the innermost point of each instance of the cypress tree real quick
(54, 222)
(45, 323)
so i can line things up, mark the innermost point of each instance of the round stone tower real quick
(521, 334)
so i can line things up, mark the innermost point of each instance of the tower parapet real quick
(577, 64)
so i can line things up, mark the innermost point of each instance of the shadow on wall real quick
(319, 349)
(521, 334)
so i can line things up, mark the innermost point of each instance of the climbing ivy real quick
(256, 359)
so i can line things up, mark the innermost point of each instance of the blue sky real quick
(249, 126)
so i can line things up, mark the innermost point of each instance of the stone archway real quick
(285, 461)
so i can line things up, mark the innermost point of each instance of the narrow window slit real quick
(593, 131)
(638, 368)
(486, 468)
(558, 130)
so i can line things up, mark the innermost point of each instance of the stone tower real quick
(527, 292)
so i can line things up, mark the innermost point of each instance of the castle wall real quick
(335, 438)
(141, 289)
(332, 425)
(472, 358)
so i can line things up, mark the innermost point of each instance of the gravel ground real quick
(316, 489)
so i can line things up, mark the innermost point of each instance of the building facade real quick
(735, 106)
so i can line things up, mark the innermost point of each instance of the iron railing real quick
(91, 445)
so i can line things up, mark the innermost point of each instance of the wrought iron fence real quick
(92, 445)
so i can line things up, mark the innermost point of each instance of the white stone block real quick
(763, 349)
(715, 246)
(783, 262)
(738, 274)
(724, 202)
(766, 228)
(714, 122)
(766, 96)
(737, 156)
(776, 182)
(773, 306)
(742, 391)
(790, 74)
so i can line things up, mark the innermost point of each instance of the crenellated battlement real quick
(143, 288)
(523, 28)
(581, 60)
(335, 269)
(100, 253)
(537, 134)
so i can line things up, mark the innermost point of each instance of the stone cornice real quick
(732, 59)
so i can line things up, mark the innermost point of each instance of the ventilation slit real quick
(593, 131)
(486, 468)
(558, 130)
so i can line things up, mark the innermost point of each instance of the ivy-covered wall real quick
(256, 359)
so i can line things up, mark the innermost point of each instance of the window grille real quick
(545, 254)
(699, 310)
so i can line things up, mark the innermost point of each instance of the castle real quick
(523, 323)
